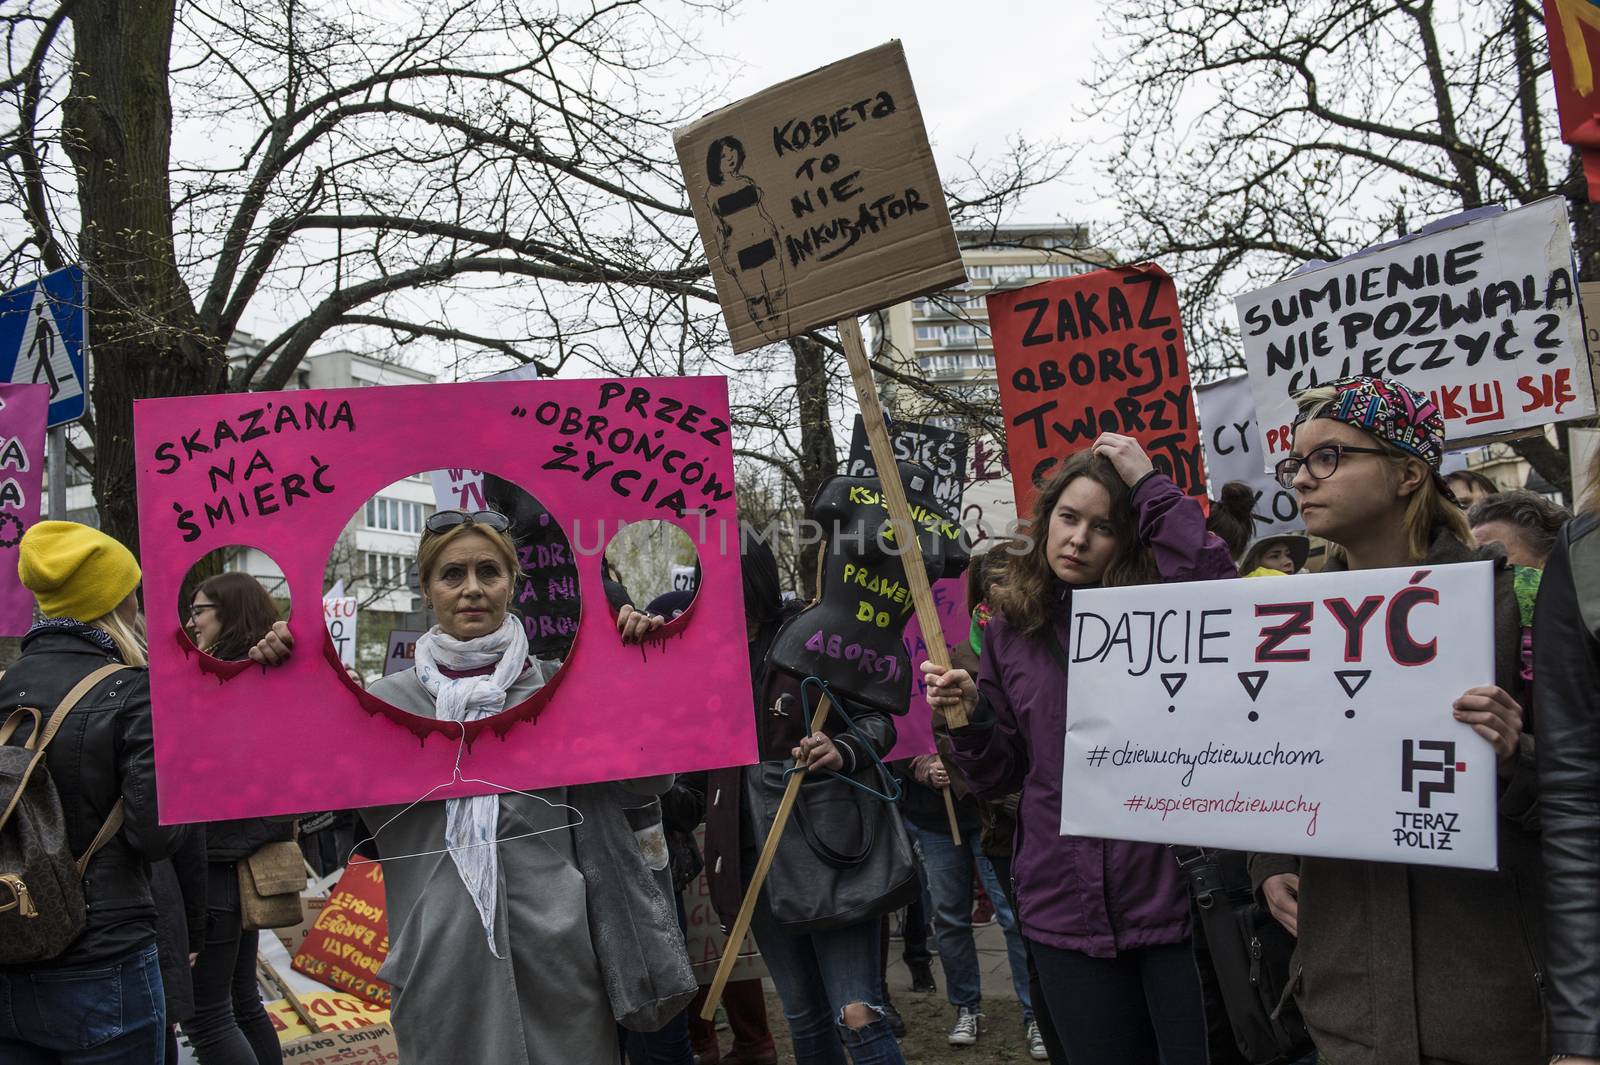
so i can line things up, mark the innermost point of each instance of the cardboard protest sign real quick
(944, 451)
(547, 595)
(349, 942)
(283, 472)
(852, 636)
(402, 652)
(1228, 427)
(817, 199)
(706, 940)
(368, 1045)
(1100, 352)
(914, 732)
(1305, 715)
(23, 409)
(340, 612)
(1481, 315)
(332, 1010)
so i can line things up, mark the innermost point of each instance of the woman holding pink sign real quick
(1106, 921)
(503, 945)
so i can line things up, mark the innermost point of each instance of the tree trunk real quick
(144, 337)
(819, 459)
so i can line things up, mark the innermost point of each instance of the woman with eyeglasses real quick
(1423, 965)
(494, 947)
(229, 1025)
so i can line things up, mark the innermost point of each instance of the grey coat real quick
(545, 1001)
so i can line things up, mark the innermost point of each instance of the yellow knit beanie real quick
(75, 571)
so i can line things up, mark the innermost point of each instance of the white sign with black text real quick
(1306, 715)
(1482, 316)
(1233, 444)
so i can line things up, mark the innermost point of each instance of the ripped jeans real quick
(817, 976)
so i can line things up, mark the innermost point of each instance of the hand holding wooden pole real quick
(769, 851)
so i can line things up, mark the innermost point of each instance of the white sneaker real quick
(969, 1023)
(1036, 1049)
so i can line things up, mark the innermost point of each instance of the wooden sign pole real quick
(769, 851)
(894, 493)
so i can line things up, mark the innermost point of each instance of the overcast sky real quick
(983, 71)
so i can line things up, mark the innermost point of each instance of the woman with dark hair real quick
(829, 980)
(1106, 921)
(228, 615)
(747, 238)
(1231, 517)
(1470, 486)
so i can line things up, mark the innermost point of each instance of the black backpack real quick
(1243, 955)
(41, 883)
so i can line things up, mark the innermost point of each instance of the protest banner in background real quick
(1306, 715)
(332, 1010)
(1100, 352)
(1573, 30)
(817, 199)
(1228, 428)
(402, 650)
(368, 1045)
(683, 578)
(458, 489)
(943, 451)
(347, 945)
(22, 424)
(340, 612)
(547, 591)
(914, 731)
(1481, 314)
(706, 938)
(989, 502)
(284, 472)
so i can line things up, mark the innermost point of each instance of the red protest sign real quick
(1574, 30)
(1100, 352)
(350, 940)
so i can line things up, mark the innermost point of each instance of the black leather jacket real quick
(104, 751)
(1566, 685)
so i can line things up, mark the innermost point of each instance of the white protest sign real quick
(683, 578)
(1304, 715)
(1482, 316)
(1232, 441)
(340, 614)
(989, 502)
(458, 489)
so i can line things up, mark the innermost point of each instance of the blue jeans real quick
(108, 1013)
(947, 871)
(817, 976)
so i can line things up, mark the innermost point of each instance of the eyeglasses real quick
(1321, 462)
(200, 608)
(445, 520)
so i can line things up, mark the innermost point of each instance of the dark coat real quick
(1098, 896)
(178, 885)
(1566, 683)
(104, 751)
(1426, 965)
(232, 841)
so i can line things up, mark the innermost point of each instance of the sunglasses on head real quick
(445, 520)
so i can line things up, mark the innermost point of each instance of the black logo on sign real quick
(1428, 777)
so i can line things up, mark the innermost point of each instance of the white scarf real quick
(471, 824)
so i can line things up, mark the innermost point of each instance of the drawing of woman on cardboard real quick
(747, 238)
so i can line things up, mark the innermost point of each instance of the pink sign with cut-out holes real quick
(22, 420)
(285, 472)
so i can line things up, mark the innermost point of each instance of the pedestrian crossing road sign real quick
(42, 327)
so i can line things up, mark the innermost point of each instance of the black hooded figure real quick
(852, 636)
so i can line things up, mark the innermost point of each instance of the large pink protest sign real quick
(22, 418)
(285, 472)
(915, 730)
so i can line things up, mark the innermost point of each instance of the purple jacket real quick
(1074, 892)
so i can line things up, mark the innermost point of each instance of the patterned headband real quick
(1393, 413)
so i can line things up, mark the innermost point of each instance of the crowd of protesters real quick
(561, 940)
